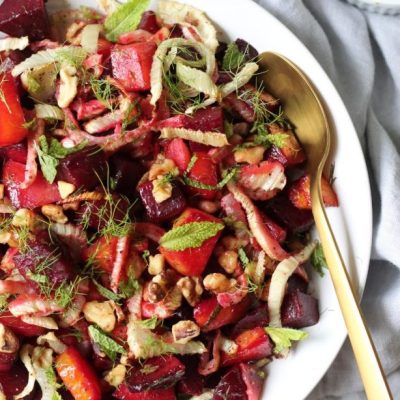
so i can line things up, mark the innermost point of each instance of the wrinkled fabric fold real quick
(360, 51)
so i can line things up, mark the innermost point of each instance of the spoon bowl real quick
(303, 107)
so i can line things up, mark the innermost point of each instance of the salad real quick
(155, 212)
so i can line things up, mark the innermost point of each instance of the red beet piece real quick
(127, 173)
(276, 231)
(97, 213)
(209, 315)
(84, 169)
(155, 373)
(123, 393)
(207, 119)
(256, 317)
(21, 18)
(204, 171)
(131, 64)
(38, 194)
(149, 22)
(15, 152)
(299, 310)
(14, 381)
(19, 327)
(253, 344)
(168, 209)
(247, 49)
(192, 383)
(231, 386)
(287, 214)
(239, 108)
(296, 282)
(252, 380)
(52, 263)
(177, 150)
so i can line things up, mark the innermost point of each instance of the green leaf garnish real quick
(243, 257)
(107, 345)
(318, 260)
(125, 19)
(233, 58)
(229, 174)
(149, 323)
(49, 155)
(191, 235)
(108, 294)
(129, 287)
(283, 337)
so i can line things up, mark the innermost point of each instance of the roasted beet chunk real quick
(168, 209)
(84, 169)
(299, 310)
(44, 260)
(256, 317)
(99, 212)
(155, 373)
(127, 173)
(149, 22)
(24, 17)
(231, 386)
(14, 381)
(287, 214)
(247, 49)
(131, 64)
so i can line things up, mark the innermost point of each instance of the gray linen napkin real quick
(360, 50)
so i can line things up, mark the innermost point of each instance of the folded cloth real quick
(360, 50)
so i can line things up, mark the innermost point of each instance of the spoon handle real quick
(372, 374)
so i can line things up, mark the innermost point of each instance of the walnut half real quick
(185, 331)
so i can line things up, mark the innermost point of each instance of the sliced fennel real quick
(173, 12)
(47, 111)
(279, 279)
(214, 139)
(197, 79)
(12, 43)
(240, 79)
(90, 37)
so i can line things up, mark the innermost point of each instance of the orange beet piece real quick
(192, 261)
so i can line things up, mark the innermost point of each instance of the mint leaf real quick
(233, 58)
(191, 235)
(318, 261)
(283, 337)
(108, 294)
(107, 345)
(49, 156)
(129, 287)
(230, 174)
(125, 19)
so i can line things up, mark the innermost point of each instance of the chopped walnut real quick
(191, 289)
(54, 213)
(116, 375)
(234, 243)
(155, 292)
(218, 283)
(156, 264)
(100, 313)
(184, 331)
(1, 191)
(228, 260)
(162, 190)
(65, 189)
(161, 167)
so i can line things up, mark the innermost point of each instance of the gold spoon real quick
(303, 107)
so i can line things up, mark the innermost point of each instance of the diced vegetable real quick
(78, 376)
(11, 114)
